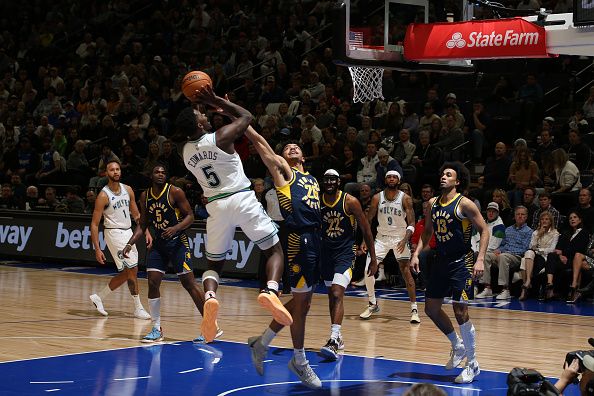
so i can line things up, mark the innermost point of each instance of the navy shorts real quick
(451, 277)
(176, 250)
(336, 261)
(302, 255)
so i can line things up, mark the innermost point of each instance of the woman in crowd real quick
(575, 240)
(505, 210)
(544, 239)
(582, 262)
(523, 172)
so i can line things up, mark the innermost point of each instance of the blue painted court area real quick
(583, 308)
(224, 368)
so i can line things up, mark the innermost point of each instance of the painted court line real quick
(52, 390)
(190, 370)
(51, 382)
(131, 378)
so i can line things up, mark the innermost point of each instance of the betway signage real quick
(501, 38)
(46, 236)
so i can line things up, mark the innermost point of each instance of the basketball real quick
(193, 81)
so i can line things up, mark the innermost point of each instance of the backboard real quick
(371, 33)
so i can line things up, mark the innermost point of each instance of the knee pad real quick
(210, 274)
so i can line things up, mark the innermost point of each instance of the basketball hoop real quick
(367, 83)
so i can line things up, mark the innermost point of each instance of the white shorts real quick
(243, 210)
(116, 240)
(341, 279)
(385, 243)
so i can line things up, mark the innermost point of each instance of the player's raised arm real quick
(277, 166)
(240, 118)
(100, 204)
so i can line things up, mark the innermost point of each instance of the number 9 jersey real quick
(220, 174)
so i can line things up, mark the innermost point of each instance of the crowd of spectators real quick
(85, 82)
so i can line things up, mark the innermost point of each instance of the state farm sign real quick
(502, 38)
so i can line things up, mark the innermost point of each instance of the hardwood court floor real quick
(47, 313)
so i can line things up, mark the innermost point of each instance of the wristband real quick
(411, 228)
(128, 245)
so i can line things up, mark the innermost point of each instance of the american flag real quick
(355, 38)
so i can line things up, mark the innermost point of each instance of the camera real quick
(579, 355)
(523, 381)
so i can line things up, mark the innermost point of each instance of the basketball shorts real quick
(451, 277)
(337, 265)
(243, 210)
(176, 250)
(384, 243)
(302, 256)
(116, 240)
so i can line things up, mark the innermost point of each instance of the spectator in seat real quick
(544, 202)
(31, 198)
(579, 153)
(348, 170)
(544, 148)
(585, 209)
(404, 149)
(172, 160)
(588, 106)
(507, 255)
(7, 198)
(450, 138)
(386, 163)
(49, 201)
(567, 180)
(477, 129)
(427, 159)
(529, 201)
(574, 240)
(496, 172)
(90, 198)
(523, 173)
(544, 240)
(73, 202)
(583, 263)
(51, 164)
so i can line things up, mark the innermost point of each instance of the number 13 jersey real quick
(452, 231)
(220, 174)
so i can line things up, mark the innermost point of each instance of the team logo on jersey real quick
(441, 218)
(296, 268)
(332, 221)
(312, 196)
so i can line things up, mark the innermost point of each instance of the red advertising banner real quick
(500, 38)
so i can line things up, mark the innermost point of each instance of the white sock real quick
(155, 307)
(468, 335)
(413, 305)
(369, 282)
(137, 303)
(272, 285)
(454, 339)
(300, 358)
(268, 336)
(335, 331)
(104, 293)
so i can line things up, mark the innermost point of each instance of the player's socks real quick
(468, 335)
(299, 355)
(155, 307)
(272, 285)
(413, 305)
(335, 331)
(106, 291)
(268, 336)
(454, 339)
(137, 303)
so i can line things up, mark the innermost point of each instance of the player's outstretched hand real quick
(206, 95)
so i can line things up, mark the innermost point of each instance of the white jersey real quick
(391, 216)
(117, 212)
(220, 174)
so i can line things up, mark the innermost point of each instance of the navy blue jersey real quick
(338, 226)
(161, 213)
(452, 233)
(299, 201)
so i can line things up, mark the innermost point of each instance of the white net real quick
(367, 83)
